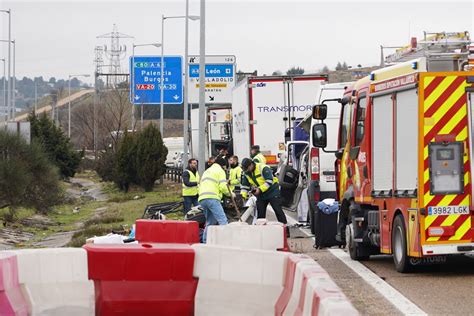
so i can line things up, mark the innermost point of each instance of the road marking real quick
(403, 304)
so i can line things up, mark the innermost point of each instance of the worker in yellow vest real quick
(211, 189)
(235, 173)
(260, 181)
(190, 185)
(256, 155)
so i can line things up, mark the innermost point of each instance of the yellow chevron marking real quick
(447, 200)
(462, 230)
(426, 174)
(431, 239)
(429, 219)
(428, 197)
(438, 91)
(449, 221)
(427, 80)
(455, 119)
(438, 115)
(462, 136)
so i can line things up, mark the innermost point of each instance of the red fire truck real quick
(404, 159)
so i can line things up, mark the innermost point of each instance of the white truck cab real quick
(307, 169)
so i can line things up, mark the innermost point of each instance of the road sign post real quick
(146, 72)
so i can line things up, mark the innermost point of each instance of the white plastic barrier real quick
(265, 237)
(319, 294)
(56, 281)
(301, 267)
(235, 281)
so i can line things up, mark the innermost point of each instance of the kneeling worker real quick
(211, 188)
(265, 187)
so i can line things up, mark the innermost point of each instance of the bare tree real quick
(113, 119)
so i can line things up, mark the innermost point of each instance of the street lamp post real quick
(13, 107)
(11, 81)
(187, 17)
(9, 12)
(157, 45)
(4, 83)
(69, 103)
(202, 87)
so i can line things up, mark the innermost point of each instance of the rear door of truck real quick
(445, 164)
(275, 105)
(327, 161)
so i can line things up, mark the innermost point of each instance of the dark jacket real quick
(186, 178)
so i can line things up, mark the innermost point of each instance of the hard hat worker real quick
(212, 187)
(235, 173)
(256, 155)
(260, 181)
(190, 185)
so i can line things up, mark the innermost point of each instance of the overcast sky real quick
(57, 38)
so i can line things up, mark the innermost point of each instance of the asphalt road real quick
(442, 289)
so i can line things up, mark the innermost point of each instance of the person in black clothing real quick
(224, 153)
(190, 185)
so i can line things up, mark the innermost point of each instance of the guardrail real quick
(173, 174)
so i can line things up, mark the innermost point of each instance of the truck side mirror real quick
(320, 135)
(320, 111)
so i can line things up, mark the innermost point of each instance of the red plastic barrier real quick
(316, 271)
(12, 300)
(142, 279)
(180, 232)
(285, 296)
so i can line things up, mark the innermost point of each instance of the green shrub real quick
(150, 157)
(27, 178)
(56, 144)
(139, 159)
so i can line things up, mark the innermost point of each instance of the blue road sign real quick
(213, 70)
(146, 77)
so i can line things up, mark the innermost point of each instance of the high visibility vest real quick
(261, 183)
(235, 176)
(191, 191)
(213, 183)
(259, 158)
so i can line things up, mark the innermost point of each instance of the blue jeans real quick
(189, 201)
(214, 214)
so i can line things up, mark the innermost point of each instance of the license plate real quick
(330, 178)
(448, 210)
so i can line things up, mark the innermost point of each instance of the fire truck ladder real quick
(443, 51)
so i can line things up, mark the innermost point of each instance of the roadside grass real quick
(123, 209)
(96, 218)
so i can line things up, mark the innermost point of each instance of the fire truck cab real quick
(404, 159)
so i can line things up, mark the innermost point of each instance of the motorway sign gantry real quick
(220, 79)
(146, 76)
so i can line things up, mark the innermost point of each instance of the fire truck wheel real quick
(399, 245)
(357, 251)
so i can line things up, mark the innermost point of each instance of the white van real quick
(312, 171)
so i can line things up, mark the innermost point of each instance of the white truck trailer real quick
(265, 109)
